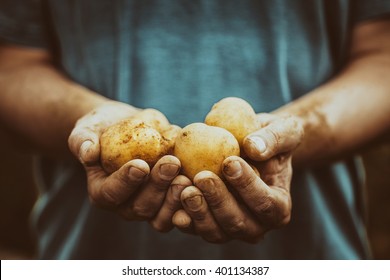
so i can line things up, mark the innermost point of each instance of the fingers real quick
(183, 222)
(150, 197)
(104, 191)
(135, 191)
(83, 141)
(280, 135)
(115, 189)
(276, 171)
(264, 119)
(202, 219)
(163, 220)
(272, 205)
(232, 217)
(84, 144)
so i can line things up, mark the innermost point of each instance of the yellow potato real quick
(153, 118)
(235, 115)
(131, 139)
(202, 147)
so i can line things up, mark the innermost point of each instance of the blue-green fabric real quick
(180, 57)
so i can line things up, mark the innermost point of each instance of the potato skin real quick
(202, 147)
(131, 139)
(153, 118)
(235, 115)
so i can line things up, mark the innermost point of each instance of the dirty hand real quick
(135, 191)
(244, 206)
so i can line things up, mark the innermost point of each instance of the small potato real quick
(131, 139)
(153, 118)
(235, 115)
(202, 147)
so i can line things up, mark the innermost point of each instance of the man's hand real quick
(134, 191)
(243, 205)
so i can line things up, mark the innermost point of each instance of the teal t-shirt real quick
(180, 57)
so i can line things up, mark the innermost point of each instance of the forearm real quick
(346, 112)
(40, 103)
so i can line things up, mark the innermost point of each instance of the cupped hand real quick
(135, 191)
(243, 205)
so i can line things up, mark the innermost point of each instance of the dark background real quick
(18, 193)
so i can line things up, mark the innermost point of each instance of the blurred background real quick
(377, 164)
(17, 196)
(18, 193)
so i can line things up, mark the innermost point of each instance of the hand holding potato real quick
(240, 204)
(136, 190)
(148, 135)
(200, 147)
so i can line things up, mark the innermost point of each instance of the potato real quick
(235, 115)
(134, 139)
(158, 121)
(153, 118)
(202, 147)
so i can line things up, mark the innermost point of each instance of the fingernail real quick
(85, 146)
(209, 182)
(258, 143)
(194, 202)
(233, 169)
(136, 174)
(207, 186)
(168, 171)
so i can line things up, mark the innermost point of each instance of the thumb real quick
(84, 144)
(279, 136)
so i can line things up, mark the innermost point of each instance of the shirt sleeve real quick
(21, 22)
(369, 9)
